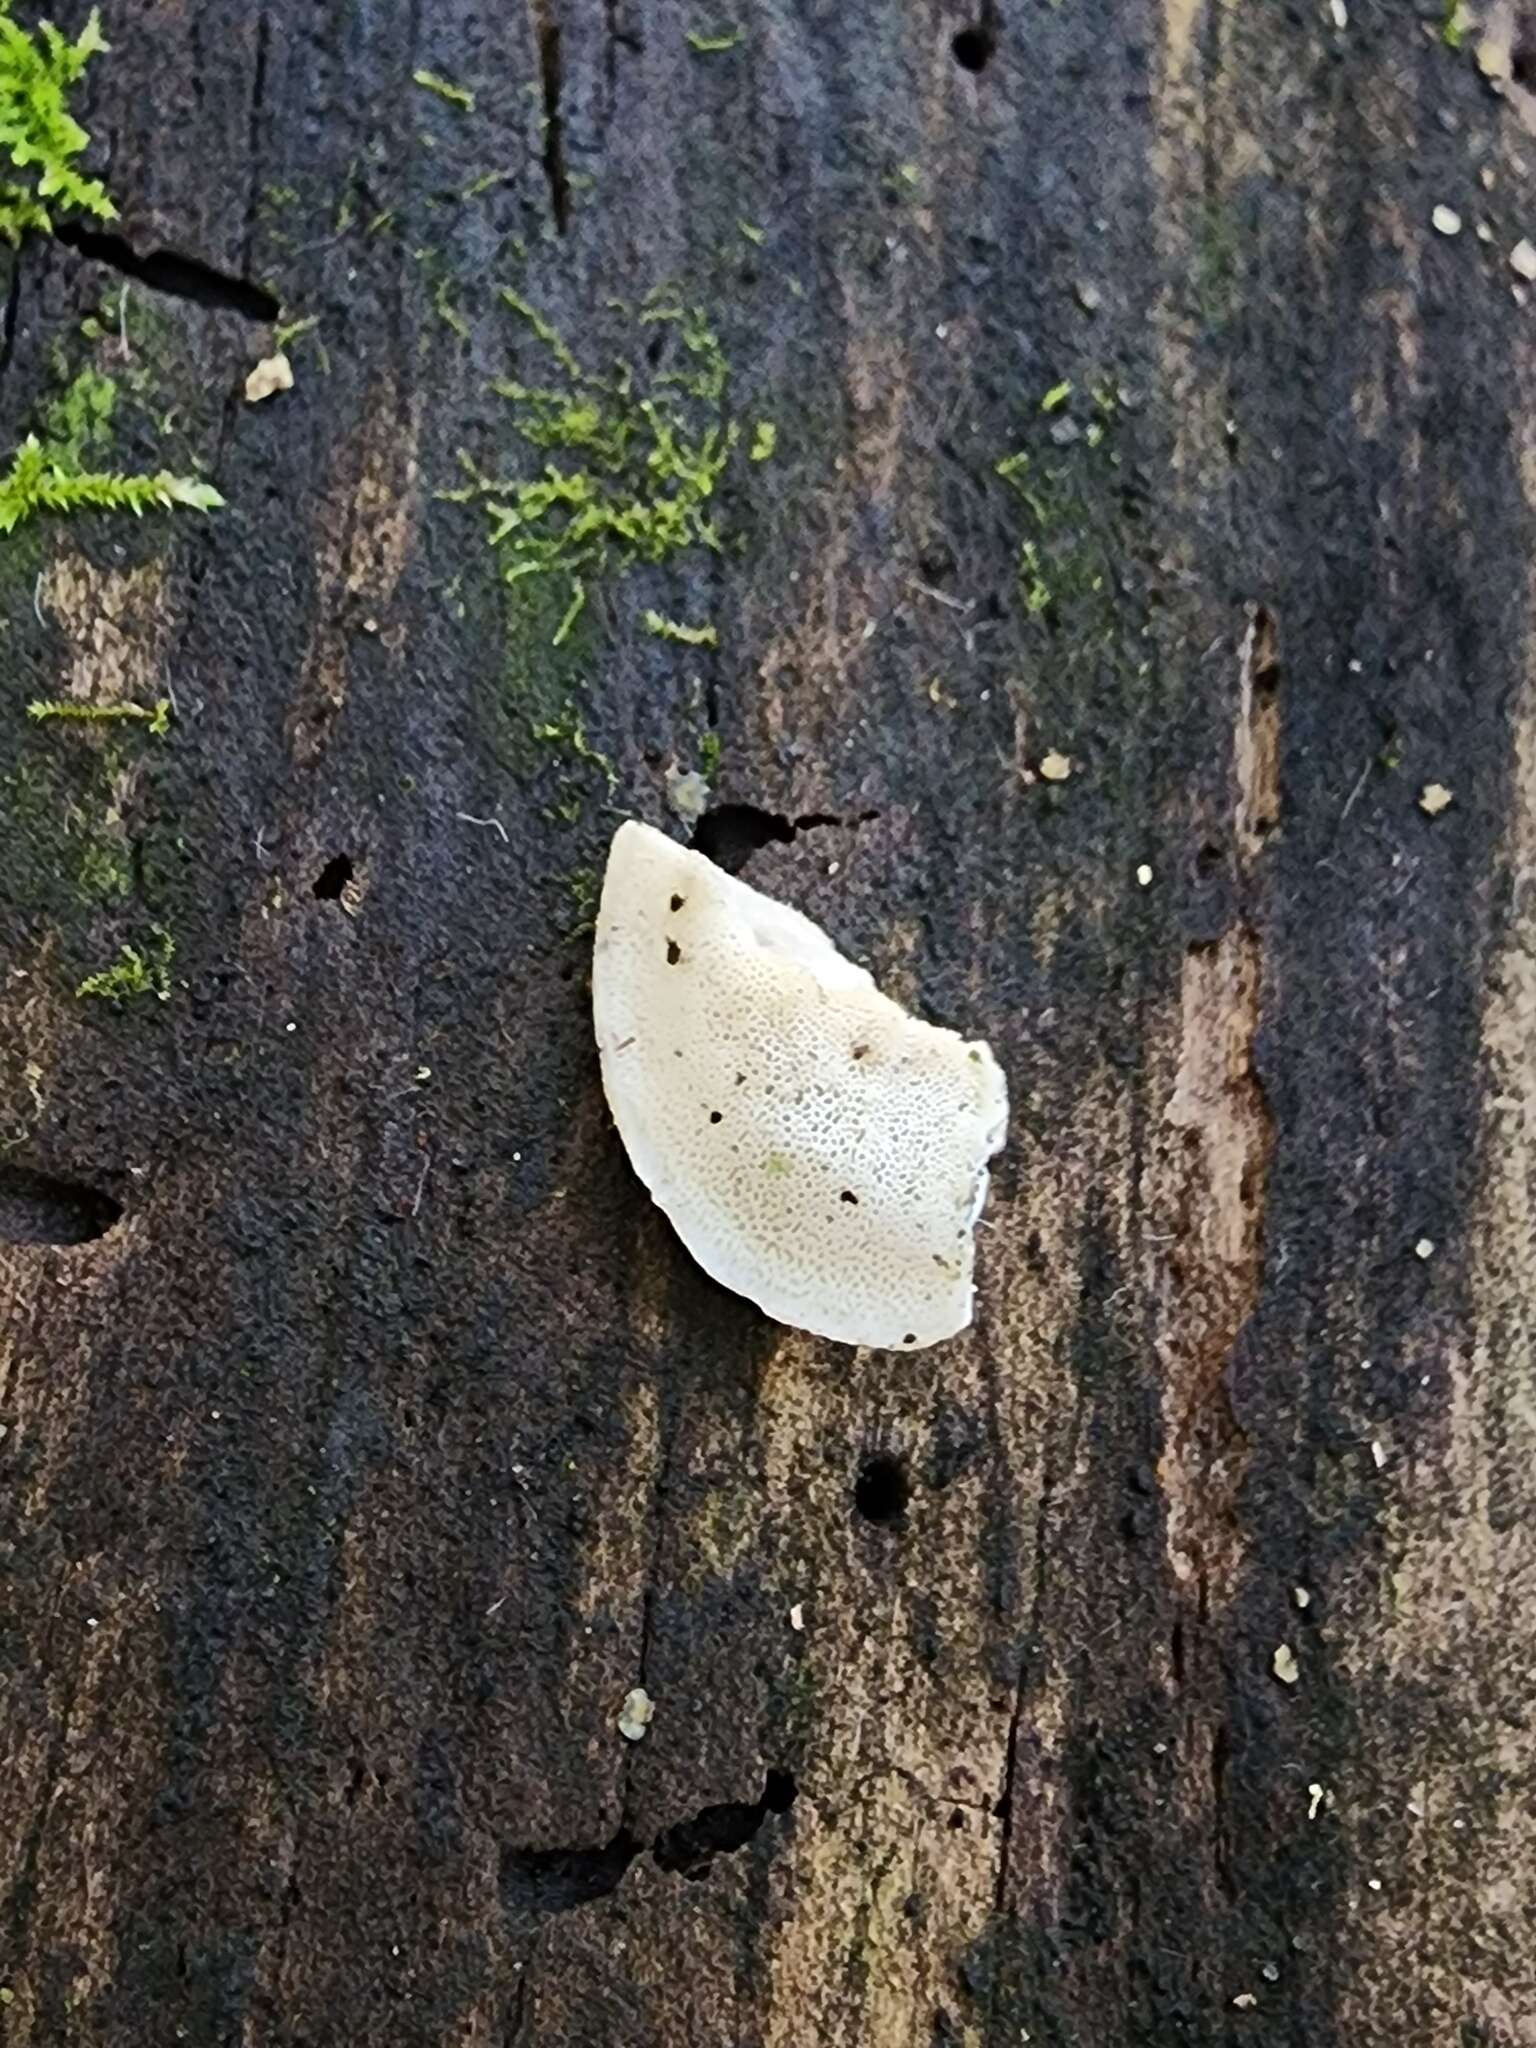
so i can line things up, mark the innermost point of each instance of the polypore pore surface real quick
(816, 1149)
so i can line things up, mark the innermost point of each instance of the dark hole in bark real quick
(333, 878)
(882, 1489)
(973, 46)
(37, 1208)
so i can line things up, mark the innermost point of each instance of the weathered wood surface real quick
(388, 1439)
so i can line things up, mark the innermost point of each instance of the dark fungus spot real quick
(714, 1116)
(882, 1489)
(333, 878)
(973, 46)
(678, 902)
(859, 1051)
(849, 1196)
(674, 952)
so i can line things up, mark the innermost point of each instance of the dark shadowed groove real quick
(170, 272)
(546, 27)
(538, 1882)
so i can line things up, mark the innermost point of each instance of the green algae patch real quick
(1063, 481)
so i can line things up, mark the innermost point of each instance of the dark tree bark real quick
(1154, 1663)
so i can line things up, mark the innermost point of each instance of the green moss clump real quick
(445, 89)
(631, 472)
(48, 474)
(38, 132)
(687, 636)
(37, 483)
(156, 717)
(569, 733)
(585, 887)
(135, 973)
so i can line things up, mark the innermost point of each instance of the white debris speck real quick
(1425, 1248)
(1055, 768)
(1315, 1797)
(797, 1617)
(1378, 1453)
(1522, 260)
(1301, 1596)
(1286, 1669)
(1373, 1884)
(1446, 220)
(1144, 876)
(1245, 2001)
(272, 374)
(688, 794)
(635, 1714)
(1338, 13)
(1434, 797)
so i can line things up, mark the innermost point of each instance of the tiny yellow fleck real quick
(1286, 1669)
(1434, 797)
(1055, 768)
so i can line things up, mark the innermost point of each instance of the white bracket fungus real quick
(816, 1149)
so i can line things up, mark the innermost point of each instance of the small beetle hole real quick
(674, 952)
(973, 46)
(714, 1116)
(882, 1489)
(849, 1196)
(333, 878)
